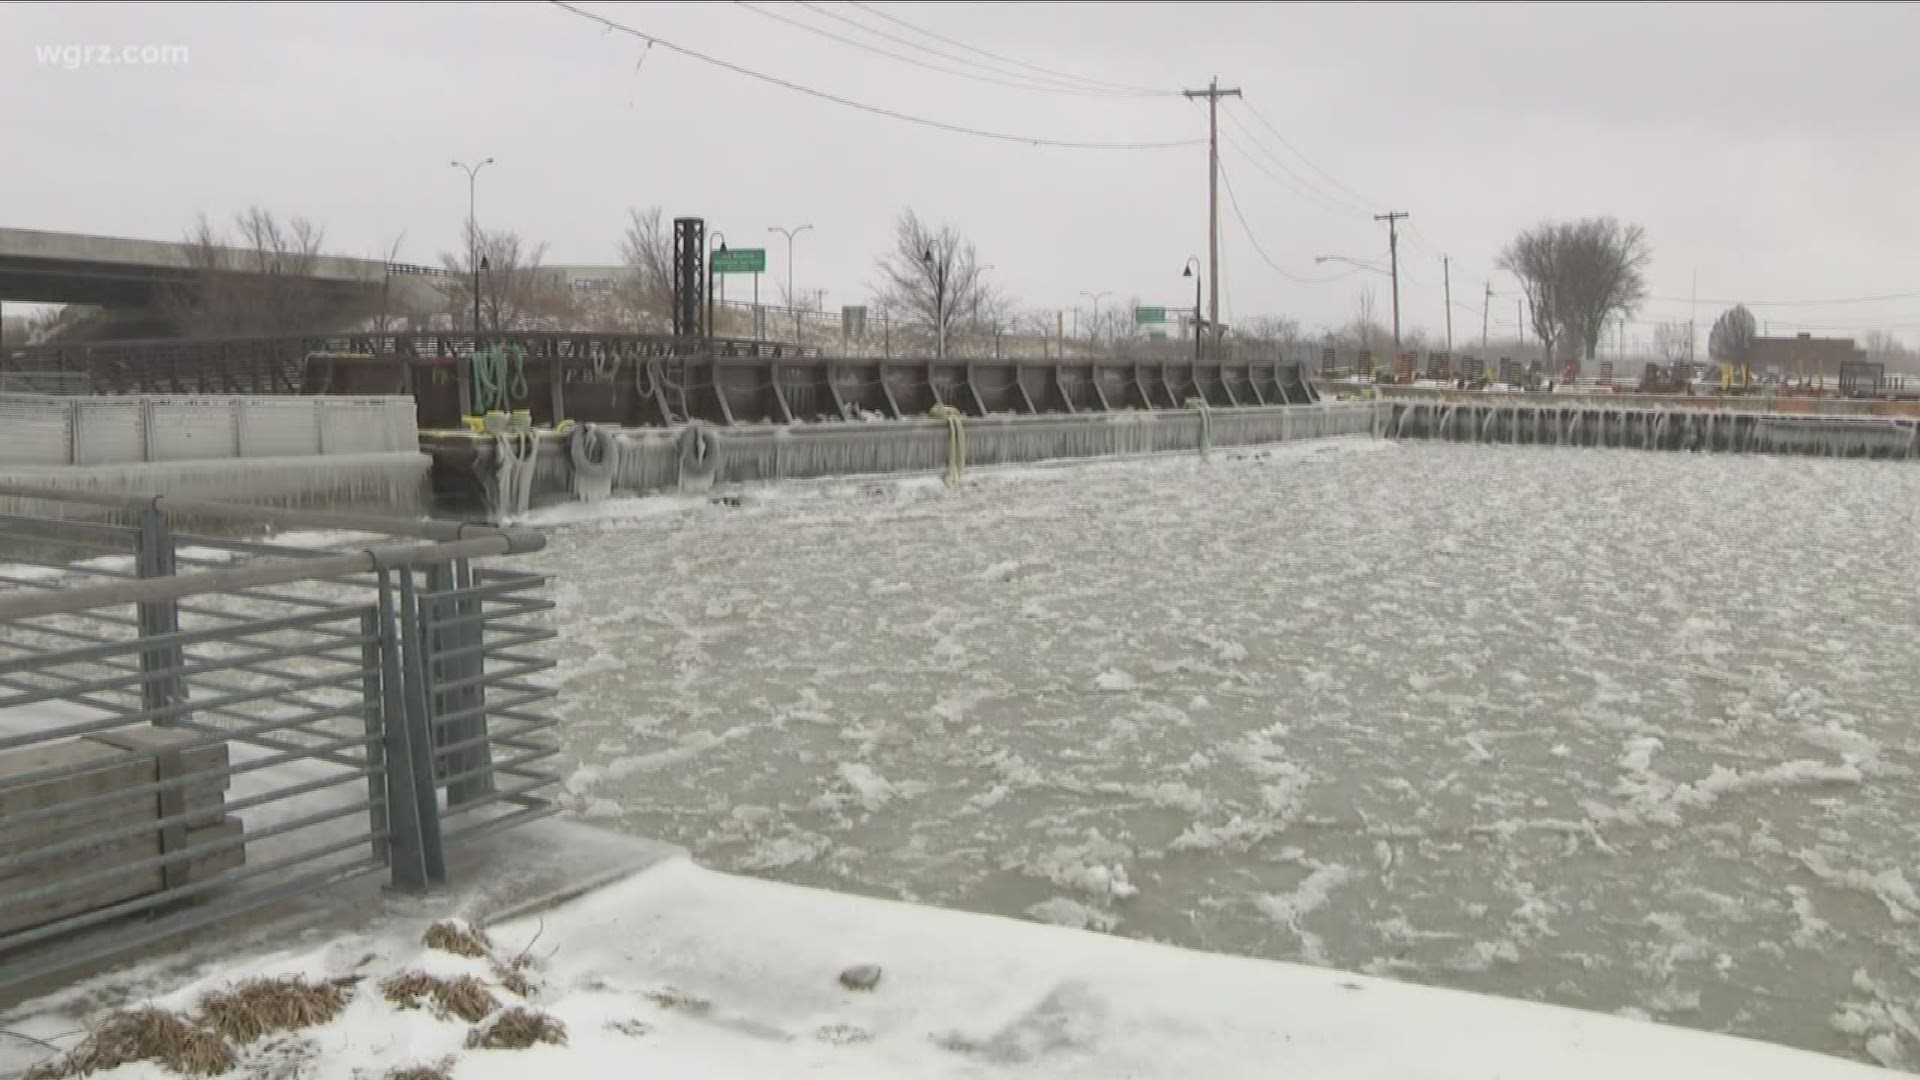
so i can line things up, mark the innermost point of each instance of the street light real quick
(1093, 333)
(1349, 262)
(939, 271)
(791, 299)
(473, 238)
(1192, 270)
(720, 250)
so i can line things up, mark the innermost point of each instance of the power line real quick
(1002, 59)
(1792, 303)
(1234, 201)
(1361, 202)
(1063, 83)
(877, 110)
(1311, 194)
(1026, 84)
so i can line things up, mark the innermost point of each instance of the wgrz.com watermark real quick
(74, 57)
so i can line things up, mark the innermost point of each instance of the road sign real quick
(740, 261)
(1149, 315)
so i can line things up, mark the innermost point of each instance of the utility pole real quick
(1485, 305)
(1446, 277)
(1213, 94)
(1392, 218)
(1693, 308)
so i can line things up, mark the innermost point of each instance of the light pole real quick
(1350, 262)
(1192, 270)
(938, 268)
(1093, 330)
(792, 301)
(719, 250)
(473, 237)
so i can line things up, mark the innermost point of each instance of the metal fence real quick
(195, 726)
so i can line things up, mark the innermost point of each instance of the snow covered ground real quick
(1626, 731)
(681, 971)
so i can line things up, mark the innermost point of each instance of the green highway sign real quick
(740, 261)
(1149, 315)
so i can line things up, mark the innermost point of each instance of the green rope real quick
(499, 378)
(1206, 425)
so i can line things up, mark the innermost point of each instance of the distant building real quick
(1805, 356)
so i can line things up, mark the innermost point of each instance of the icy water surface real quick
(1620, 730)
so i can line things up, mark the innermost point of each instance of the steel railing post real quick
(153, 558)
(417, 719)
(462, 631)
(373, 705)
(413, 867)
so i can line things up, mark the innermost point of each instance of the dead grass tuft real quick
(439, 1070)
(517, 1029)
(843, 1035)
(148, 1034)
(680, 1000)
(258, 1007)
(465, 997)
(513, 977)
(632, 1029)
(449, 936)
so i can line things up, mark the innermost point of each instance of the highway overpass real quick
(117, 272)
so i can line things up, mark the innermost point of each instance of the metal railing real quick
(193, 726)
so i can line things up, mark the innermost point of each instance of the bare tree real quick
(1534, 258)
(1603, 266)
(1673, 341)
(1365, 331)
(931, 278)
(1883, 348)
(516, 291)
(383, 318)
(646, 249)
(262, 283)
(1731, 340)
(1578, 276)
(1269, 336)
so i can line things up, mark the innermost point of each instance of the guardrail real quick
(193, 727)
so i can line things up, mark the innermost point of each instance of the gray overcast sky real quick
(1769, 148)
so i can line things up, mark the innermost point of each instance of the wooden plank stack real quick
(113, 760)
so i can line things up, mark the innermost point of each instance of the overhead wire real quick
(1296, 185)
(1058, 80)
(1361, 202)
(1234, 201)
(995, 56)
(878, 110)
(1888, 298)
(1024, 84)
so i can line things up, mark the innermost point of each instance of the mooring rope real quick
(699, 455)
(595, 452)
(513, 472)
(499, 377)
(1206, 424)
(956, 441)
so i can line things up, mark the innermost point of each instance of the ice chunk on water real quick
(1073, 914)
(872, 789)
